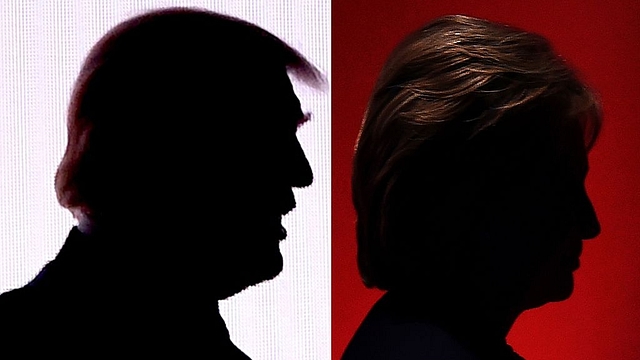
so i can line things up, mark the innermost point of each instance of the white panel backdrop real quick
(42, 46)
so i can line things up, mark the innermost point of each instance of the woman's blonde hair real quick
(441, 87)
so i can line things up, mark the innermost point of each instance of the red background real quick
(602, 40)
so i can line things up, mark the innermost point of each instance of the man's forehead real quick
(281, 93)
(274, 92)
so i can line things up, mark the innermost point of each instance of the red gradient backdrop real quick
(602, 40)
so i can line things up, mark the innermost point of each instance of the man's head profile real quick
(182, 128)
(470, 166)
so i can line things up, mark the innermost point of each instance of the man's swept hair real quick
(149, 66)
(441, 89)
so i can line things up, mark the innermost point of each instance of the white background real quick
(42, 46)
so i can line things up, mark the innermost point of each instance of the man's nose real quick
(301, 174)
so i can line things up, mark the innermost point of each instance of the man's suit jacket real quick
(86, 304)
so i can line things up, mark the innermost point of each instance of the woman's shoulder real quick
(387, 334)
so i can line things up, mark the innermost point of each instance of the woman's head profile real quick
(469, 168)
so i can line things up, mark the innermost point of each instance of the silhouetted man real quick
(468, 186)
(181, 159)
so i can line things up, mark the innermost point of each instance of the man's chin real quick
(253, 273)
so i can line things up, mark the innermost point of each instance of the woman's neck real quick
(479, 325)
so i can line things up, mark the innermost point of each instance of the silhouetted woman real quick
(468, 184)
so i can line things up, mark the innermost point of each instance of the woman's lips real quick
(576, 264)
(572, 263)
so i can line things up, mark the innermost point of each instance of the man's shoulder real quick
(14, 301)
(21, 321)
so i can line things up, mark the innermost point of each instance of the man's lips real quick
(286, 209)
(275, 228)
(283, 233)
